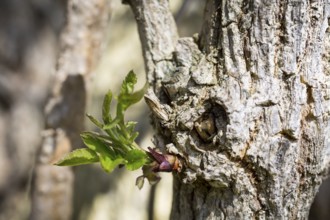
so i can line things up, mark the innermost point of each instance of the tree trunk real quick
(28, 40)
(81, 42)
(245, 104)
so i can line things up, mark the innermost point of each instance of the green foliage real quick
(116, 146)
(79, 157)
(136, 159)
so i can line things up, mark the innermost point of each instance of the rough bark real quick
(245, 104)
(80, 48)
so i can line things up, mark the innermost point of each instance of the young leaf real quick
(108, 164)
(111, 124)
(109, 158)
(126, 97)
(117, 146)
(130, 126)
(95, 121)
(125, 100)
(135, 97)
(106, 108)
(128, 84)
(133, 136)
(148, 172)
(136, 158)
(78, 157)
(96, 144)
(139, 182)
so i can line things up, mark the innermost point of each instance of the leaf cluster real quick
(116, 146)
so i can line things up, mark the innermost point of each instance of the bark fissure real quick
(210, 37)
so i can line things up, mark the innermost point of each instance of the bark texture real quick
(65, 112)
(245, 104)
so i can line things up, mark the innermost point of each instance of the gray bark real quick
(245, 104)
(65, 112)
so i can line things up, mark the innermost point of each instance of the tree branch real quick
(157, 30)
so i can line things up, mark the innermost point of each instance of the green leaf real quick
(128, 84)
(136, 96)
(148, 173)
(79, 157)
(106, 108)
(125, 100)
(126, 97)
(136, 158)
(139, 182)
(117, 146)
(111, 124)
(130, 126)
(109, 157)
(109, 165)
(133, 137)
(96, 144)
(95, 121)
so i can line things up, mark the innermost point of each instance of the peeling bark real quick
(80, 47)
(246, 105)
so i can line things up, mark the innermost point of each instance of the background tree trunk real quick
(28, 40)
(81, 42)
(245, 104)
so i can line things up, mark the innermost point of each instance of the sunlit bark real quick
(246, 104)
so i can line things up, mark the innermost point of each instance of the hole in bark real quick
(221, 121)
(210, 129)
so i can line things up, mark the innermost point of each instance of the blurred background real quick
(30, 44)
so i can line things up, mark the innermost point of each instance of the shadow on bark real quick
(320, 207)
